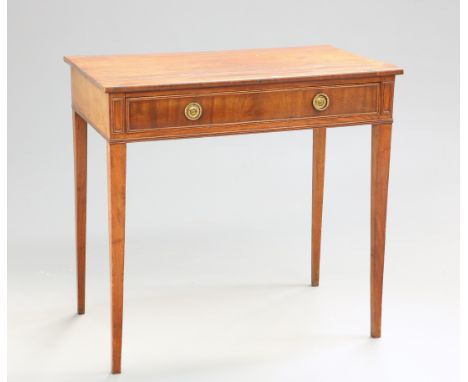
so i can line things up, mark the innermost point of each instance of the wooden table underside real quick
(138, 98)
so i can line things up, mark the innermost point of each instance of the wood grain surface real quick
(380, 166)
(80, 144)
(125, 73)
(240, 92)
(90, 102)
(318, 177)
(116, 178)
(231, 107)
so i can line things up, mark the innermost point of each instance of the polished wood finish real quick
(381, 142)
(116, 174)
(129, 73)
(90, 102)
(360, 93)
(241, 110)
(80, 144)
(135, 98)
(241, 107)
(318, 177)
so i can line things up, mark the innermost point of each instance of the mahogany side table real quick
(133, 98)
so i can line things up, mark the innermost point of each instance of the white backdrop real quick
(218, 230)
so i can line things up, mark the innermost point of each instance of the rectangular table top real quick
(126, 73)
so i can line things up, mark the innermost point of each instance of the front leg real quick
(381, 141)
(116, 173)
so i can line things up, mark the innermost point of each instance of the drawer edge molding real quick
(225, 108)
(256, 127)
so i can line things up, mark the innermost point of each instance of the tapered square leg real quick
(80, 154)
(381, 145)
(116, 174)
(318, 173)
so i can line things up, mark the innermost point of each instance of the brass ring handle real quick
(193, 111)
(320, 102)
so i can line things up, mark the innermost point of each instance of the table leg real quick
(381, 142)
(317, 199)
(116, 169)
(80, 153)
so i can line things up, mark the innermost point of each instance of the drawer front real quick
(225, 108)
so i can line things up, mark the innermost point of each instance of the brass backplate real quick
(193, 111)
(320, 102)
